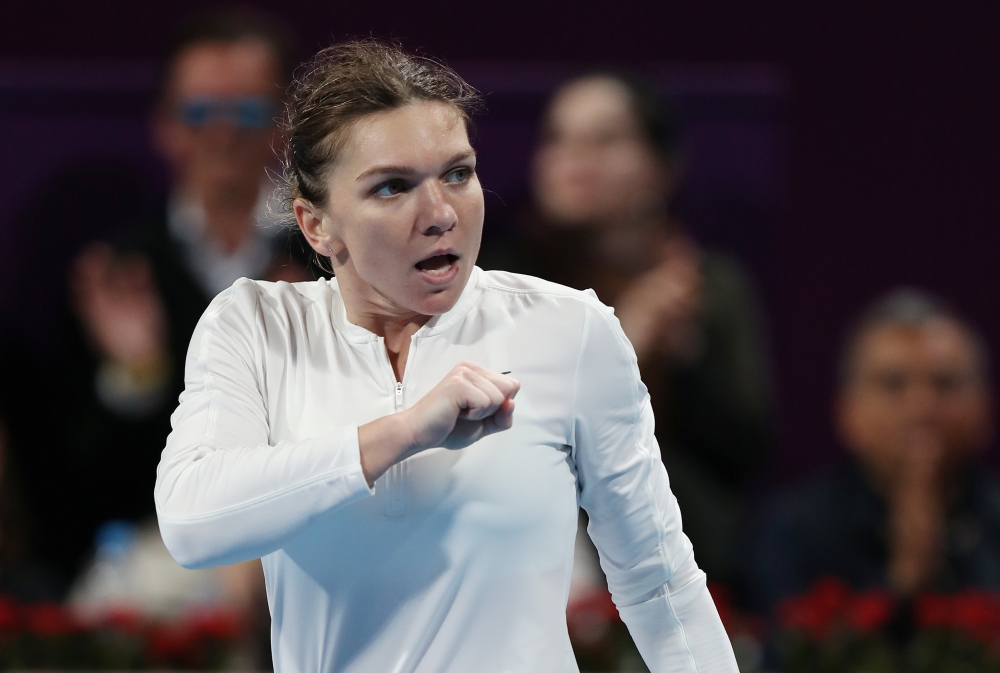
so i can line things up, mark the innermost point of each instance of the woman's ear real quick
(310, 220)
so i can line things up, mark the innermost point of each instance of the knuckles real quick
(468, 373)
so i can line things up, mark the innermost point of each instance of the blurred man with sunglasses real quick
(137, 299)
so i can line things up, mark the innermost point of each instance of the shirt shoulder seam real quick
(568, 292)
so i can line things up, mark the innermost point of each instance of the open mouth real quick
(438, 265)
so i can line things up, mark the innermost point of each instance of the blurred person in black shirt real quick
(604, 178)
(136, 300)
(912, 508)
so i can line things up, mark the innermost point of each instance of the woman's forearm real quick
(224, 504)
(383, 443)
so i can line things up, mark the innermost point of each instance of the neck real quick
(376, 314)
(396, 333)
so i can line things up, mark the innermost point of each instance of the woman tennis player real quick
(360, 435)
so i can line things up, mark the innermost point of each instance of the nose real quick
(221, 133)
(922, 402)
(435, 215)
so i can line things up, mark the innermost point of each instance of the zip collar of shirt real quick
(436, 325)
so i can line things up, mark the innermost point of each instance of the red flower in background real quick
(218, 624)
(171, 644)
(817, 612)
(974, 612)
(50, 619)
(186, 641)
(830, 604)
(199, 640)
(126, 620)
(10, 614)
(978, 614)
(868, 612)
(933, 611)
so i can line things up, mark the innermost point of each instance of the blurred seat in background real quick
(604, 178)
(911, 508)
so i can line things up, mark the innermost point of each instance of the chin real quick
(440, 302)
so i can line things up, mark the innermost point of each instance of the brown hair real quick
(343, 84)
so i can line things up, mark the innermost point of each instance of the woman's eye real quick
(390, 188)
(459, 175)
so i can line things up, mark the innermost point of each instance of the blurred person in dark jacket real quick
(604, 179)
(137, 299)
(912, 508)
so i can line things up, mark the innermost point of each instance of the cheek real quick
(630, 174)
(561, 167)
(256, 143)
(965, 419)
(877, 419)
(182, 142)
(557, 181)
(471, 210)
(374, 249)
(377, 241)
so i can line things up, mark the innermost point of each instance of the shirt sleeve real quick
(223, 493)
(635, 522)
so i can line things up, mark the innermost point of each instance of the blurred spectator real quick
(136, 300)
(92, 420)
(605, 175)
(912, 508)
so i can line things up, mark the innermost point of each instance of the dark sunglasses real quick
(243, 112)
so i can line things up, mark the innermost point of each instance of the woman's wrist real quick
(383, 443)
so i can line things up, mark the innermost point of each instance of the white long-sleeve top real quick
(457, 560)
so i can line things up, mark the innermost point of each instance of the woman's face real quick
(594, 165)
(404, 213)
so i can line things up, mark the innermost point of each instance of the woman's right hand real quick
(470, 403)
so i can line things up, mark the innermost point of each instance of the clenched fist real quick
(470, 403)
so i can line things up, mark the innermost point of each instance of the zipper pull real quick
(399, 395)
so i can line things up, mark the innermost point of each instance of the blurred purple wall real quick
(891, 109)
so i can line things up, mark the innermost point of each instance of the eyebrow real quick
(408, 170)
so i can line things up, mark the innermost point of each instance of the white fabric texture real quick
(456, 560)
